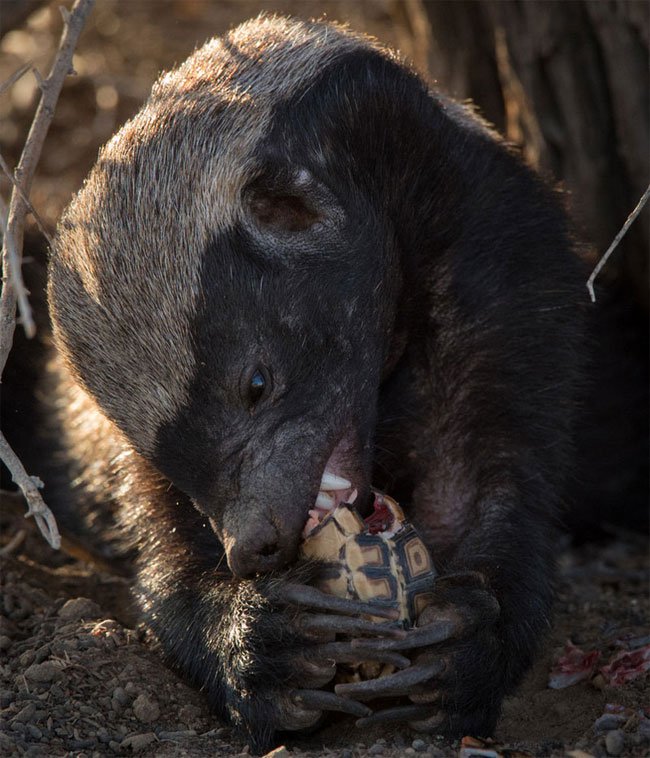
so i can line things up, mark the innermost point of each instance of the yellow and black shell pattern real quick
(380, 559)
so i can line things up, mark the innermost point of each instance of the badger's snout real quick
(265, 537)
(258, 547)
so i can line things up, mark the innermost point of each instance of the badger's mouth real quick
(386, 516)
(334, 490)
(336, 486)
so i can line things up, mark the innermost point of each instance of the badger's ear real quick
(290, 201)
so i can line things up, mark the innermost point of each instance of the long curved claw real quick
(321, 622)
(345, 652)
(434, 632)
(311, 597)
(319, 700)
(399, 713)
(393, 685)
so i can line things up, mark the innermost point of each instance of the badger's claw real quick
(438, 630)
(302, 709)
(321, 622)
(311, 597)
(410, 713)
(400, 683)
(313, 619)
(328, 701)
(349, 652)
(454, 648)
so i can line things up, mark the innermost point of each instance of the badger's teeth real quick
(312, 522)
(331, 482)
(325, 502)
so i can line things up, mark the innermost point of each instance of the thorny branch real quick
(14, 292)
(617, 239)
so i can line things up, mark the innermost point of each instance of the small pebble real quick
(190, 716)
(56, 692)
(345, 753)
(47, 671)
(42, 653)
(26, 714)
(26, 658)
(137, 742)
(419, 745)
(409, 751)
(5, 642)
(79, 608)
(119, 695)
(615, 742)
(81, 744)
(145, 709)
(34, 732)
(278, 752)
(7, 744)
(608, 721)
(376, 749)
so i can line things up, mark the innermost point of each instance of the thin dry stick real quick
(13, 291)
(18, 74)
(26, 200)
(617, 239)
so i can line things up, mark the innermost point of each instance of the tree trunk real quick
(569, 82)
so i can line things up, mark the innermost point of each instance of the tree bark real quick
(569, 82)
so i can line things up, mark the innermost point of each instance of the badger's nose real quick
(259, 551)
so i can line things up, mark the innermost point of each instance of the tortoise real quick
(380, 558)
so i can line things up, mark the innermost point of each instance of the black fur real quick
(458, 378)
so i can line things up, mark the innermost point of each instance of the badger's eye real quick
(256, 385)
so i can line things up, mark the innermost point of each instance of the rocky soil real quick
(79, 677)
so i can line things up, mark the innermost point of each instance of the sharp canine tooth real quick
(325, 501)
(333, 482)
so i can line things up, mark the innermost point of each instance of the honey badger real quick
(294, 273)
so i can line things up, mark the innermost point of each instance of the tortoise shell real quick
(380, 559)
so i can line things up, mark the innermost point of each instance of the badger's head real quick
(225, 283)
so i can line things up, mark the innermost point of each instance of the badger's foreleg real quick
(260, 649)
(491, 455)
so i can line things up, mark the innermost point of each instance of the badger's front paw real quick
(283, 650)
(455, 683)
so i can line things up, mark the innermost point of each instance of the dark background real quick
(566, 81)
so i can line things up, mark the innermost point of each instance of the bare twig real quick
(37, 508)
(617, 239)
(14, 543)
(18, 74)
(39, 221)
(13, 290)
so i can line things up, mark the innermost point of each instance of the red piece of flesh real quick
(380, 519)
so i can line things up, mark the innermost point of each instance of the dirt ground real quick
(78, 677)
